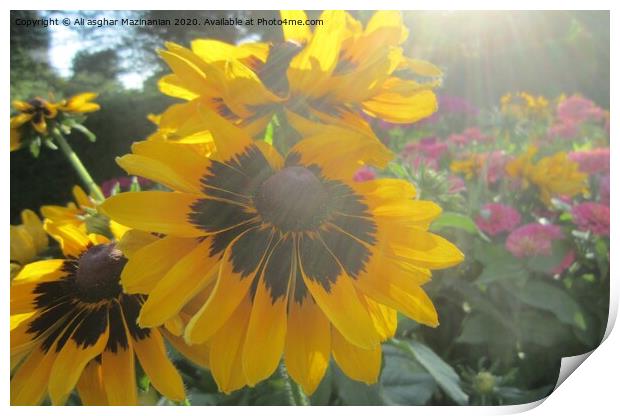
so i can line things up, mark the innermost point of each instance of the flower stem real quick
(79, 167)
(295, 395)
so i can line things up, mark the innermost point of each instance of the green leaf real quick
(354, 393)
(482, 329)
(269, 133)
(35, 147)
(542, 329)
(89, 134)
(511, 270)
(546, 264)
(456, 220)
(404, 382)
(545, 296)
(443, 374)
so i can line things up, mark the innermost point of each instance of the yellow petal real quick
(186, 278)
(90, 386)
(72, 240)
(156, 211)
(264, 342)
(70, 363)
(308, 343)
(29, 383)
(149, 264)
(359, 364)
(118, 371)
(230, 289)
(298, 33)
(226, 349)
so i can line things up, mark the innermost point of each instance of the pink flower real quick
(592, 216)
(579, 109)
(495, 165)
(497, 218)
(458, 139)
(124, 182)
(592, 161)
(533, 240)
(364, 174)
(457, 184)
(475, 135)
(564, 129)
(603, 190)
(427, 151)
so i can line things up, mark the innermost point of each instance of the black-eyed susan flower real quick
(299, 260)
(72, 327)
(28, 240)
(38, 119)
(334, 73)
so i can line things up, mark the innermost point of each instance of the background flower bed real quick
(506, 317)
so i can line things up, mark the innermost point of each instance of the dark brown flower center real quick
(293, 199)
(98, 273)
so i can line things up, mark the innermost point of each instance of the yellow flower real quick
(28, 240)
(299, 260)
(521, 166)
(36, 112)
(467, 167)
(74, 213)
(557, 175)
(525, 105)
(72, 327)
(82, 214)
(332, 74)
(80, 103)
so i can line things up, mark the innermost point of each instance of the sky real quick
(65, 43)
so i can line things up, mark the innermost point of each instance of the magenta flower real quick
(593, 217)
(474, 134)
(458, 140)
(533, 240)
(124, 182)
(592, 161)
(457, 184)
(495, 165)
(579, 109)
(427, 151)
(564, 129)
(364, 174)
(497, 218)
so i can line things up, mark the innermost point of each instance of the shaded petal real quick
(118, 371)
(185, 279)
(90, 386)
(308, 343)
(359, 364)
(153, 358)
(29, 383)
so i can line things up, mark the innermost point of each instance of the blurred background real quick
(483, 54)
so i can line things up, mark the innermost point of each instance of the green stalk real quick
(295, 395)
(79, 167)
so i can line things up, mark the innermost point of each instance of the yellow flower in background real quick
(72, 327)
(521, 166)
(557, 175)
(298, 259)
(28, 240)
(467, 167)
(82, 214)
(38, 112)
(74, 213)
(523, 104)
(333, 74)
(35, 112)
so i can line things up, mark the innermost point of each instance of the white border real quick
(592, 388)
